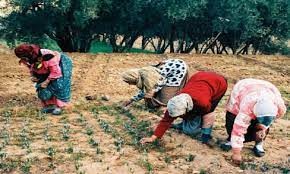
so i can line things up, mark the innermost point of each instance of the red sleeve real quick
(163, 125)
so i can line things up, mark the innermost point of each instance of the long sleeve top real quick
(173, 71)
(204, 88)
(242, 101)
(49, 66)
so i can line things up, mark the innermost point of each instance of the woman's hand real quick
(236, 156)
(126, 103)
(45, 83)
(34, 79)
(149, 95)
(148, 139)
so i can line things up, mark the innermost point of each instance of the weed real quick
(249, 165)
(203, 171)
(65, 132)
(167, 160)
(81, 119)
(89, 131)
(46, 135)
(70, 149)
(7, 166)
(25, 141)
(119, 143)
(51, 152)
(7, 116)
(6, 137)
(40, 116)
(3, 155)
(93, 143)
(145, 163)
(25, 167)
(105, 126)
(190, 158)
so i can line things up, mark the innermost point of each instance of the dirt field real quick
(99, 137)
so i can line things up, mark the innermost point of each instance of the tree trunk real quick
(209, 46)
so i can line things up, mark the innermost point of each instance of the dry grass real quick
(99, 137)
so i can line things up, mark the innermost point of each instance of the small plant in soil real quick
(190, 158)
(93, 143)
(46, 135)
(7, 166)
(65, 132)
(24, 140)
(167, 159)
(51, 152)
(70, 149)
(89, 131)
(6, 138)
(7, 116)
(119, 143)
(25, 167)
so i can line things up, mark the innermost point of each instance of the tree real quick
(69, 23)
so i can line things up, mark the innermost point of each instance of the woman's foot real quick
(259, 150)
(57, 111)
(226, 146)
(48, 109)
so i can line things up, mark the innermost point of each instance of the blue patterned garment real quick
(61, 87)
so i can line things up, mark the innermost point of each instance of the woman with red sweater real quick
(198, 98)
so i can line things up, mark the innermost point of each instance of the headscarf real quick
(145, 78)
(30, 51)
(265, 111)
(179, 105)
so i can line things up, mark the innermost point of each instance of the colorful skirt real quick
(61, 87)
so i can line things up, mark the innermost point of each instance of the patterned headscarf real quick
(29, 51)
(145, 78)
(179, 105)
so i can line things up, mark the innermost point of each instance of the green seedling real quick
(70, 149)
(167, 160)
(93, 143)
(65, 132)
(25, 167)
(25, 141)
(89, 131)
(119, 143)
(190, 158)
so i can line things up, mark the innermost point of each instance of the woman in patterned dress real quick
(157, 84)
(51, 71)
(251, 109)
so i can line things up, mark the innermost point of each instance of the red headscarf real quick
(29, 51)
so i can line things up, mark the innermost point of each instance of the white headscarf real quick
(179, 105)
(265, 111)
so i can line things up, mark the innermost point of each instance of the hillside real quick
(99, 137)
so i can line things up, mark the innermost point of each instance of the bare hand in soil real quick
(148, 139)
(237, 159)
(126, 103)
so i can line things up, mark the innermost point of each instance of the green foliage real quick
(230, 26)
(100, 47)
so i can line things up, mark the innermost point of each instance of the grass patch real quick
(103, 47)
(100, 47)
